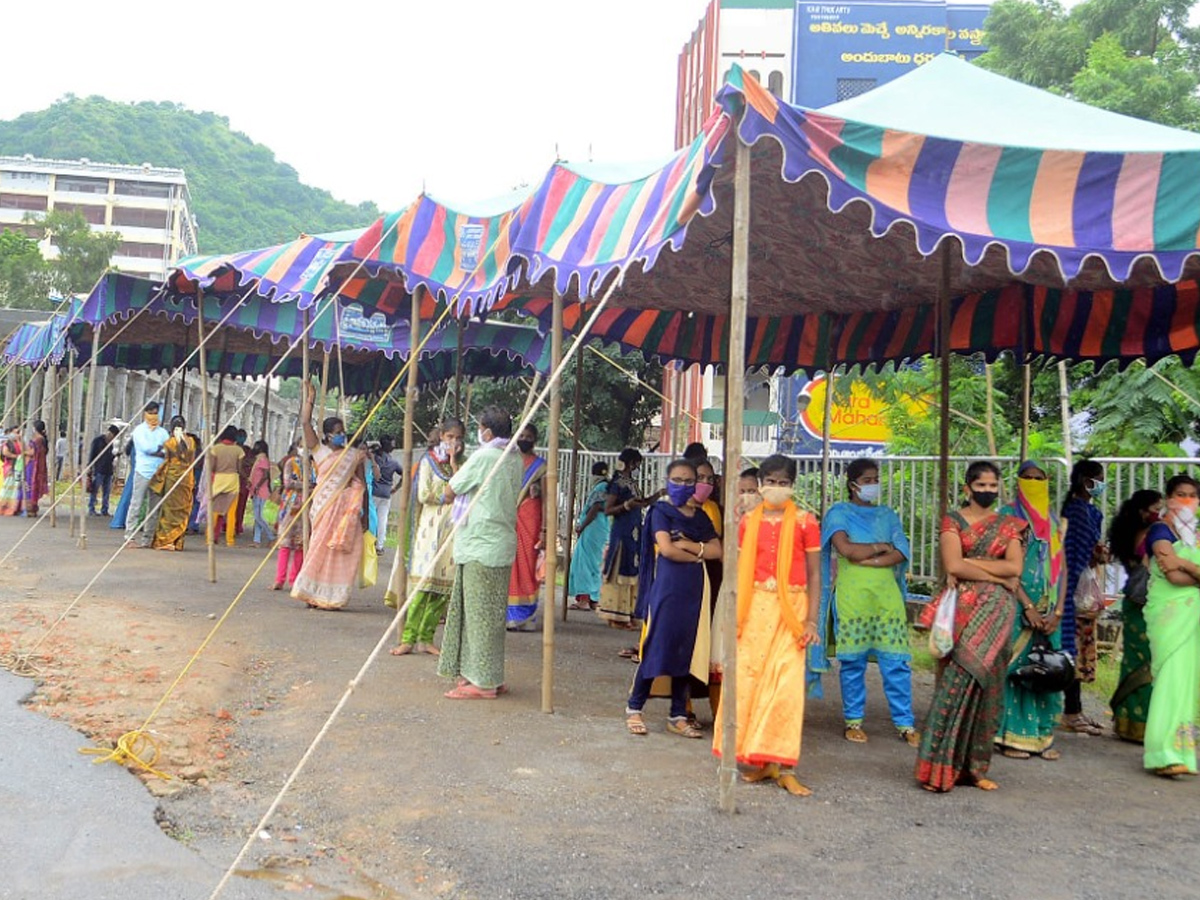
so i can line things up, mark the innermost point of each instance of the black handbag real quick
(1046, 670)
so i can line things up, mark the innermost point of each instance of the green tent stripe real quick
(1011, 193)
(861, 145)
(1177, 202)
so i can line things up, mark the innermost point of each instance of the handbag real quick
(1046, 670)
(1089, 597)
(1137, 586)
(941, 633)
(368, 570)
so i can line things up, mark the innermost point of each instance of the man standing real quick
(60, 454)
(100, 469)
(387, 470)
(148, 440)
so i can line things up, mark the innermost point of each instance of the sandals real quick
(1050, 755)
(909, 736)
(1171, 771)
(683, 728)
(1081, 724)
(628, 653)
(636, 724)
(854, 734)
(469, 691)
(1015, 754)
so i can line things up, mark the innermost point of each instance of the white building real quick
(148, 206)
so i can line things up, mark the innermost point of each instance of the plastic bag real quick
(941, 633)
(368, 570)
(1089, 596)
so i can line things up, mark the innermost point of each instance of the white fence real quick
(910, 485)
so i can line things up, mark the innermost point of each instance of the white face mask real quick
(775, 495)
(869, 493)
(481, 438)
(179, 434)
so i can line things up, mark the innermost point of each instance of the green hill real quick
(242, 196)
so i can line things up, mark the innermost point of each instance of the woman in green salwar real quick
(1127, 539)
(1173, 624)
(1028, 721)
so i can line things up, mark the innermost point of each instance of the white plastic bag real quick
(941, 633)
(1089, 596)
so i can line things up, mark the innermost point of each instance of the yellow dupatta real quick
(783, 566)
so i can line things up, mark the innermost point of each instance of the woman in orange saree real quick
(340, 505)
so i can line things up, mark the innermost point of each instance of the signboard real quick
(841, 50)
(858, 422)
(358, 328)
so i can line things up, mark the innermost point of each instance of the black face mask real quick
(985, 498)
(525, 446)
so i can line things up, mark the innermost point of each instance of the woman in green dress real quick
(1127, 539)
(1173, 624)
(1028, 721)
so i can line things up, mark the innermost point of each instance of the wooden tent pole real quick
(826, 441)
(182, 383)
(206, 473)
(220, 403)
(89, 401)
(55, 411)
(572, 488)
(550, 503)
(990, 416)
(306, 452)
(1065, 398)
(399, 580)
(1026, 399)
(324, 385)
(943, 324)
(460, 325)
(72, 433)
(735, 385)
(266, 407)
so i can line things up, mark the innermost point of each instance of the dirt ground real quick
(412, 795)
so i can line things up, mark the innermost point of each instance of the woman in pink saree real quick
(339, 510)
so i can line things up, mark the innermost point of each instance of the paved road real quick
(71, 830)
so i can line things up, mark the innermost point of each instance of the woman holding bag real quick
(1084, 549)
(1029, 717)
(982, 556)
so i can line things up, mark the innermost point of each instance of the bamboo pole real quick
(1065, 399)
(550, 504)
(207, 472)
(943, 324)
(735, 377)
(266, 413)
(90, 398)
(324, 385)
(52, 373)
(221, 402)
(399, 580)
(306, 453)
(826, 441)
(990, 418)
(459, 324)
(572, 488)
(72, 432)
(1026, 393)
(182, 383)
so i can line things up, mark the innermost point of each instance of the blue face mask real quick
(680, 494)
(1096, 488)
(337, 440)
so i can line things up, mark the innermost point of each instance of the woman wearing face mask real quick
(1127, 538)
(340, 507)
(1084, 524)
(36, 479)
(175, 481)
(1173, 624)
(289, 524)
(982, 555)
(430, 565)
(525, 584)
(226, 460)
(260, 493)
(862, 614)
(1029, 719)
(623, 505)
(12, 487)
(673, 592)
(779, 568)
(591, 529)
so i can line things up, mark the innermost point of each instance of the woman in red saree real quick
(37, 484)
(525, 584)
(982, 555)
(340, 506)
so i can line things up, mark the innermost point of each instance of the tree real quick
(24, 275)
(83, 255)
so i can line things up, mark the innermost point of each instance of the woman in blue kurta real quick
(592, 530)
(1084, 525)
(862, 615)
(672, 591)
(624, 504)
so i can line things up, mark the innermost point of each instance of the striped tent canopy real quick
(1147, 323)
(1033, 196)
(33, 342)
(577, 226)
(143, 326)
(291, 272)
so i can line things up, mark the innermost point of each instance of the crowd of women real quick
(1023, 591)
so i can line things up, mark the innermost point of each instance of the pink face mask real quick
(703, 492)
